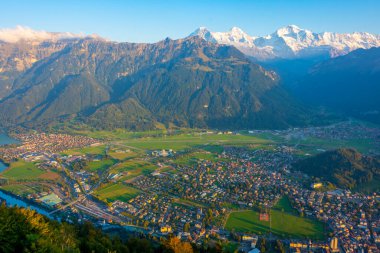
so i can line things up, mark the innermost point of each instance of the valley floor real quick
(199, 185)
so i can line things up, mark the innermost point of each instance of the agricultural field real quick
(100, 165)
(134, 168)
(117, 134)
(122, 154)
(284, 222)
(92, 150)
(167, 170)
(22, 170)
(21, 190)
(193, 157)
(186, 141)
(313, 145)
(114, 192)
(50, 175)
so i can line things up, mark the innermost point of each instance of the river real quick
(10, 199)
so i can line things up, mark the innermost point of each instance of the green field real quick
(181, 139)
(21, 190)
(284, 223)
(187, 202)
(191, 140)
(118, 134)
(193, 157)
(93, 150)
(100, 165)
(284, 205)
(311, 144)
(134, 168)
(114, 192)
(21, 170)
(116, 154)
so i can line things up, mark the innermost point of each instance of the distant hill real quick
(345, 168)
(348, 84)
(188, 82)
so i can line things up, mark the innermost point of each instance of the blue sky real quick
(150, 20)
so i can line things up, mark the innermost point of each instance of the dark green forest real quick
(24, 230)
(346, 168)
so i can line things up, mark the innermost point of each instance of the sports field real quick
(282, 224)
(116, 192)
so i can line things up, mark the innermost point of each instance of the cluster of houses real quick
(39, 145)
(84, 178)
(345, 212)
(179, 202)
(245, 180)
(163, 215)
(235, 181)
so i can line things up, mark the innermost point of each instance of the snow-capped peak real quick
(290, 29)
(234, 36)
(291, 42)
(22, 33)
(236, 30)
(204, 33)
(201, 31)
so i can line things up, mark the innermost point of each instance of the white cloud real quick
(19, 33)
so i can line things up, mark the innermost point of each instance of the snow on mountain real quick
(21, 33)
(287, 42)
(235, 36)
(204, 33)
(291, 42)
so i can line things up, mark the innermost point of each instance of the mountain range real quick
(21, 47)
(188, 82)
(208, 80)
(349, 84)
(291, 42)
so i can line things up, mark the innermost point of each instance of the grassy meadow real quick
(119, 191)
(22, 170)
(284, 223)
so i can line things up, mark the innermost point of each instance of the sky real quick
(153, 20)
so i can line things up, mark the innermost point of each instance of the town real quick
(227, 192)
